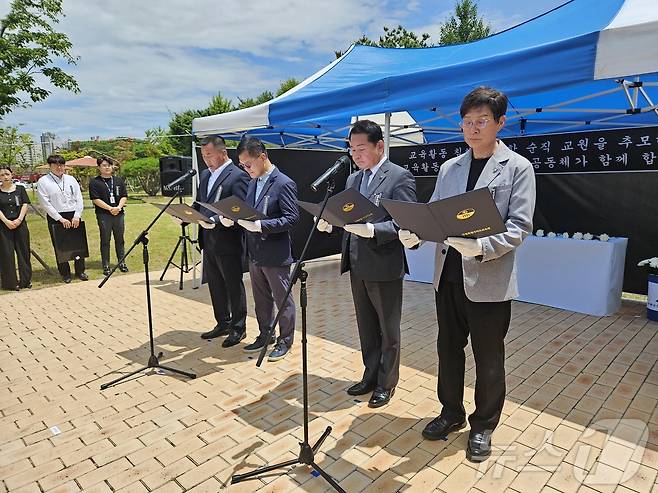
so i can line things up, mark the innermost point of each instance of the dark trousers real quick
(269, 285)
(64, 268)
(15, 241)
(487, 324)
(229, 301)
(378, 306)
(109, 226)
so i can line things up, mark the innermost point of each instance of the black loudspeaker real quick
(172, 167)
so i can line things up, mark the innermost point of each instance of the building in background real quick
(47, 144)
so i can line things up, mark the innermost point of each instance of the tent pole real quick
(196, 282)
(387, 132)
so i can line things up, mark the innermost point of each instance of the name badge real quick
(112, 199)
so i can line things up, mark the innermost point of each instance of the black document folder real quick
(234, 208)
(184, 212)
(470, 215)
(347, 207)
(71, 243)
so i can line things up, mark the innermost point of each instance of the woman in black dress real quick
(14, 235)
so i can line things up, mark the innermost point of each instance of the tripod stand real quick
(153, 361)
(183, 240)
(307, 452)
(35, 254)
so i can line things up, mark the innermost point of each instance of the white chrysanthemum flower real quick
(577, 235)
(551, 235)
(565, 235)
(588, 236)
(539, 232)
(603, 237)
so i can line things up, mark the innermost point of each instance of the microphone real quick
(330, 172)
(189, 174)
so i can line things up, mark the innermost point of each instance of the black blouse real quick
(11, 202)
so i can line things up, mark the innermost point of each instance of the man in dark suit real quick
(223, 243)
(375, 258)
(269, 245)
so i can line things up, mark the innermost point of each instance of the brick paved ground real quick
(582, 394)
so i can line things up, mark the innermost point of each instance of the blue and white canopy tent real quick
(586, 65)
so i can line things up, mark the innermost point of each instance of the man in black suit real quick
(375, 258)
(269, 245)
(223, 243)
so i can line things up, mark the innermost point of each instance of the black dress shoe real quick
(234, 338)
(479, 446)
(106, 271)
(218, 331)
(123, 267)
(380, 397)
(439, 427)
(66, 279)
(363, 387)
(82, 276)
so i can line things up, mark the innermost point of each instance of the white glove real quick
(468, 247)
(206, 225)
(176, 220)
(408, 239)
(253, 226)
(323, 226)
(366, 230)
(226, 222)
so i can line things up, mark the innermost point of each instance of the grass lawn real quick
(139, 213)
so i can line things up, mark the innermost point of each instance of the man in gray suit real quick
(376, 261)
(475, 279)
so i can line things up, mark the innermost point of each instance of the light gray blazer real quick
(511, 180)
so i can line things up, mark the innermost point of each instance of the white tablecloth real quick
(577, 275)
(421, 263)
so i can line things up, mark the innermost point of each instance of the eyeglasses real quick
(480, 123)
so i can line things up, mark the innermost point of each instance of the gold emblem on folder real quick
(348, 207)
(235, 208)
(465, 214)
(189, 213)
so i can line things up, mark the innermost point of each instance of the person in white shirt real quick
(60, 196)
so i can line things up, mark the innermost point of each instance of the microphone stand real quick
(307, 452)
(154, 361)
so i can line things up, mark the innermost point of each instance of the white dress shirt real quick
(60, 195)
(214, 175)
(375, 168)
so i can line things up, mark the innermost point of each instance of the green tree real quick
(83, 175)
(157, 143)
(145, 172)
(180, 124)
(397, 37)
(13, 146)
(263, 97)
(465, 25)
(266, 96)
(29, 49)
(70, 155)
(286, 85)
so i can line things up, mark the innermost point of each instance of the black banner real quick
(633, 149)
(605, 195)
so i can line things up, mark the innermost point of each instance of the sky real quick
(141, 61)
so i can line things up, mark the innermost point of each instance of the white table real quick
(578, 275)
(421, 263)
